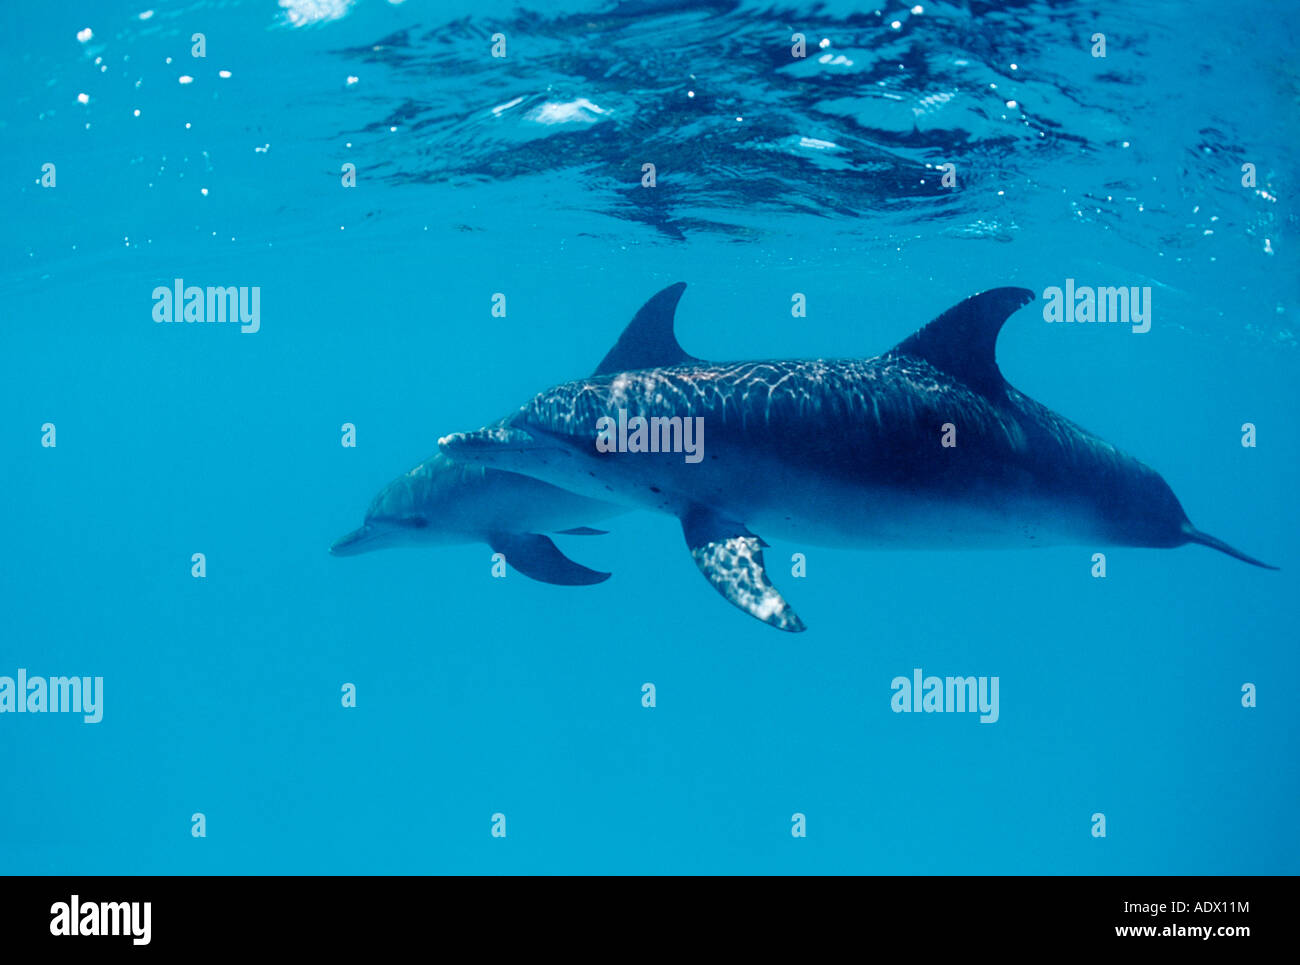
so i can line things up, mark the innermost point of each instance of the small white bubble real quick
(224, 74)
(136, 112)
(352, 79)
(895, 25)
(392, 130)
(85, 35)
(1011, 103)
(918, 10)
(1015, 67)
(203, 191)
(185, 79)
(690, 93)
(824, 43)
(83, 98)
(187, 125)
(146, 14)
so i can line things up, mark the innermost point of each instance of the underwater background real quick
(775, 175)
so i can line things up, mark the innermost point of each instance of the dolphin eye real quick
(417, 522)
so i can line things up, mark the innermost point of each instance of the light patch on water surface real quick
(300, 13)
(932, 103)
(580, 110)
(502, 108)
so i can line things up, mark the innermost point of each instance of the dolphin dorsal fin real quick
(962, 341)
(648, 341)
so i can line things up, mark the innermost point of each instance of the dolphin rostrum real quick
(441, 502)
(925, 446)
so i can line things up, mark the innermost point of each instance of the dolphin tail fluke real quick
(731, 559)
(540, 559)
(1194, 535)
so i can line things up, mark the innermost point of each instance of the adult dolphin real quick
(925, 446)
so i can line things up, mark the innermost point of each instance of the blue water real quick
(479, 696)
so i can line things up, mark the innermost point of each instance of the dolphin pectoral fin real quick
(731, 559)
(583, 531)
(539, 559)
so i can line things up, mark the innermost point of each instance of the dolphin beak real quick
(355, 542)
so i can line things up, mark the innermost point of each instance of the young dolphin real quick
(925, 446)
(442, 503)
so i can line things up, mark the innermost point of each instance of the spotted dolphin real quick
(925, 446)
(442, 502)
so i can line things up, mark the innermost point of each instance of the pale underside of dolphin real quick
(441, 502)
(839, 453)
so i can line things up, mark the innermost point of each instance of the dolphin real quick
(441, 502)
(925, 446)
